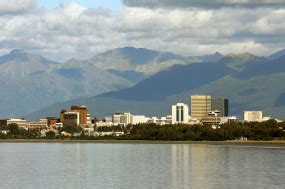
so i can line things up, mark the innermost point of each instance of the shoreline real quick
(272, 143)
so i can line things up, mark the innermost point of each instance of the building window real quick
(177, 113)
(182, 114)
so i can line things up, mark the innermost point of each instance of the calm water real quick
(140, 166)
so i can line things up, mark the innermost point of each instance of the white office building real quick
(122, 118)
(138, 119)
(22, 123)
(180, 113)
(251, 116)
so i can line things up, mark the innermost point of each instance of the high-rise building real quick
(200, 106)
(71, 118)
(82, 110)
(180, 113)
(221, 105)
(61, 117)
(251, 116)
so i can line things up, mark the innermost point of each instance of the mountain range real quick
(31, 82)
(248, 81)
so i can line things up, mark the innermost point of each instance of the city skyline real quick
(142, 93)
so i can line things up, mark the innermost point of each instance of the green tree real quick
(3, 127)
(14, 128)
(70, 128)
(50, 134)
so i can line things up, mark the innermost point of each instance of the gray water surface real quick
(56, 165)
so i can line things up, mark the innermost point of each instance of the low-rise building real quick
(89, 120)
(160, 121)
(42, 123)
(22, 123)
(213, 117)
(230, 119)
(51, 121)
(3, 122)
(104, 124)
(58, 125)
(89, 131)
(44, 131)
(252, 116)
(122, 118)
(138, 119)
(194, 121)
(117, 133)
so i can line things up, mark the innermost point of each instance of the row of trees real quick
(14, 132)
(252, 130)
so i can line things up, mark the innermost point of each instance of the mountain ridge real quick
(152, 97)
(33, 81)
(277, 54)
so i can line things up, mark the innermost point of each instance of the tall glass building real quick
(222, 105)
(200, 106)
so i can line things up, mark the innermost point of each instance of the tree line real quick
(231, 131)
(268, 130)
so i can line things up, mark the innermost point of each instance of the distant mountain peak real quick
(17, 51)
(277, 55)
(15, 55)
(72, 60)
(218, 53)
(125, 58)
(128, 48)
(242, 55)
(246, 54)
(20, 55)
(211, 57)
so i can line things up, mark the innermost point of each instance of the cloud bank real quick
(77, 31)
(16, 6)
(208, 4)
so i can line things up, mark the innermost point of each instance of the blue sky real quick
(114, 5)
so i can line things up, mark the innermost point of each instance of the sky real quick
(113, 5)
(64, 29)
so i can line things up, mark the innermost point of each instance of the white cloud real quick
(204, 3)
(16, 6)
(80, 32)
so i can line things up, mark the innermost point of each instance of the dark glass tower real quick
(222, 105)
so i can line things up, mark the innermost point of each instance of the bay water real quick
(91, 165)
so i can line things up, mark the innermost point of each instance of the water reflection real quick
(180, 165)
(140, 166)
(206, 166)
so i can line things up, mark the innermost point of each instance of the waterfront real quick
(87, 165)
